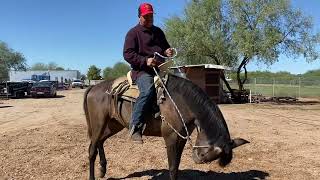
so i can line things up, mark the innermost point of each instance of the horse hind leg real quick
(94, 146)
(92, 158)
(112, 128)
(103, 160)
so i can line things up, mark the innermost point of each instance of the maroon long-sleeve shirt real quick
(141, 43)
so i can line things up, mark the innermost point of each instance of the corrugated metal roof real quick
(42, 71)
(207, 66)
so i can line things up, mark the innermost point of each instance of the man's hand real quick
(151, 62)
(169, 52)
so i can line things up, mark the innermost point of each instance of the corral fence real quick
(92, 82)
(279, 87)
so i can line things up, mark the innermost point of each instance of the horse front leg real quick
(175, 147)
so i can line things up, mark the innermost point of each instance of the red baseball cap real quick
(145, 8)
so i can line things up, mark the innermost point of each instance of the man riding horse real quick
(106, 118)
(141, 42)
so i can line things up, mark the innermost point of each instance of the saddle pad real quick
(117, 81)
(132, 92)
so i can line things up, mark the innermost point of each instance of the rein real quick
(187, 137)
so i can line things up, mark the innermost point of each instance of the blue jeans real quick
(144, 101)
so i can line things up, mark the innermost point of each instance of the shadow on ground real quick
(60, 96)
(5, 106)
(297, 102)
(196, 174)
(43, 97)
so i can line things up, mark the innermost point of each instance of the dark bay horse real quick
(198, 111)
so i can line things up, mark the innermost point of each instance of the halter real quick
(187, 137)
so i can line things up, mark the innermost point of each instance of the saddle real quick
(124, 88)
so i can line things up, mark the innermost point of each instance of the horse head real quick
(213, 140)
(210, 146)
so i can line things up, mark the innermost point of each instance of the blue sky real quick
(78, 33)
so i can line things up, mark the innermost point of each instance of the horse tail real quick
(86, 112)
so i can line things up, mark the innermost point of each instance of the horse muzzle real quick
(206, 155)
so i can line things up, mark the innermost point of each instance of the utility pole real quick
(299, 86)
(255, 86)
(273, 84)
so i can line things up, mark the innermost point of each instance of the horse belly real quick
(153, 126)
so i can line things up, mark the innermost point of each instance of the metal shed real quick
(207, 77)
(53, 75)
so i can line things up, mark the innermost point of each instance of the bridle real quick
(187, 137)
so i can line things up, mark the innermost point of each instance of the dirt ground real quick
(46, 139)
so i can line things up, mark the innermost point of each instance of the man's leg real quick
(143, 104)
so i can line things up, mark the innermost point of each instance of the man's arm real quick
(130, 51)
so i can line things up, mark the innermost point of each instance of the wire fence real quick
(3, 78)
(3, 87)
(279, 87)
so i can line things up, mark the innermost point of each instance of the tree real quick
(107, 73)
(45, 67)
(235, 32)
(10, 59)
(93, 73)
(59, 69)
(118, 70)
(312, 73)
(54, 66)
(203, 35)
(83, 77)
(121, 68)
(265, 29)
(39, 67)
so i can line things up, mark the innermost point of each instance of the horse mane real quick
(206, 111)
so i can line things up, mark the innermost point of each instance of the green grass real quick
(283, 90)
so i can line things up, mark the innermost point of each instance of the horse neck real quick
(206, 112)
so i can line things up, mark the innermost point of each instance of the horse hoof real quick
(102, 172)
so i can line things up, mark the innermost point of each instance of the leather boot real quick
(136, 135)
(156, 111)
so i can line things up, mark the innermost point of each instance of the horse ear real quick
(238, 142)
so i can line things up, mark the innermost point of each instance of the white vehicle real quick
(77, 83)
(28, 80)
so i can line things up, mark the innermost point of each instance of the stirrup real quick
(141, 127)
(157, 115)
(131, 131)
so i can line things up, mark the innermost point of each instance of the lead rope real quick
(187, 137)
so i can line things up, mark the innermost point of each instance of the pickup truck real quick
(77, 83)
(15, 89)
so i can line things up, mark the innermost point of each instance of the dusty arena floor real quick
(46, 139)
